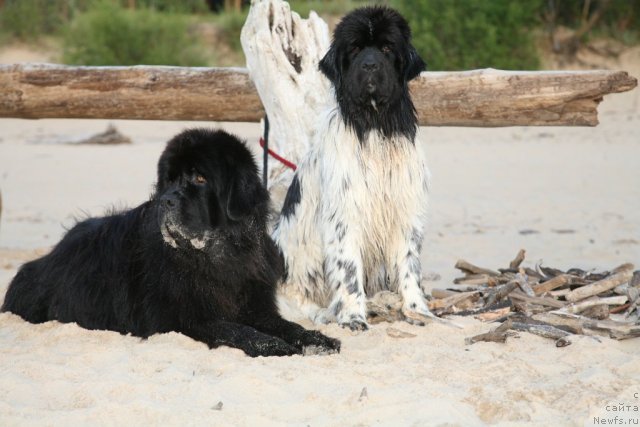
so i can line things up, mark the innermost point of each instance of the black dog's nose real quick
(169, 200)
(370, 65)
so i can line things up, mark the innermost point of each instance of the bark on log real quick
(39, 91)
(578, 307)
(545, 331)
(551, 284)
(544, 98)
(483, 98)
(517, 260)
(448, 302)
(547, 302)
(613, 329)
(468, 268)
(598, 287)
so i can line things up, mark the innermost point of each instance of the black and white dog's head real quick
(209, 190)
(369, 63)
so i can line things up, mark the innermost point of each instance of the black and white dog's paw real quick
(355, 322)
(417, 312)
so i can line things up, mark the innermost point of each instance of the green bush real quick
(469, 34)
(111, 35)
(620, 20)
(321, 7)
(230, 24)
(29, 19)
(172, 6)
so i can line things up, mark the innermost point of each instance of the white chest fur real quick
(378, 186)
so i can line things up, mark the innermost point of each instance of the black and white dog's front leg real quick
(344, 276)
(409, 274)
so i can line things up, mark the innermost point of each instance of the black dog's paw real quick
(314, 342)
(271, 346)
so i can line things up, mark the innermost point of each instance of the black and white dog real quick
(353, 220)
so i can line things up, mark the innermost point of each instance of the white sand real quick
(488, 185)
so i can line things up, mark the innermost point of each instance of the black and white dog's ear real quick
(243, 197)
(329, 65)
(414, 64)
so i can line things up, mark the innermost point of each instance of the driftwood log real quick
(39, 91)
(483, 98)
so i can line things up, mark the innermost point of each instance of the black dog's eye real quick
(355, 50)
(199, 179)
(386, 49)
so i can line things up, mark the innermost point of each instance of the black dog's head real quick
(369, 63)
(208, 187)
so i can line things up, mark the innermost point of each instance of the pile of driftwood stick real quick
(545, 301)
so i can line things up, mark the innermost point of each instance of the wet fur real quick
(195, 258)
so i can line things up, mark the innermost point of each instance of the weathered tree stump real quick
(283, 52)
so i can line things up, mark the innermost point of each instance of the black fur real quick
(372, 59)
(294, 193)
(196, 258)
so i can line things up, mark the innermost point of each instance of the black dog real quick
(196, 259)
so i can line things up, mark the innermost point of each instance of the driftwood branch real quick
(543, 300)
(600, 286)
(482, 98)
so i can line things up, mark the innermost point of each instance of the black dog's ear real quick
(163, 175)
(414, 64)
(330, 67)
(244, 195)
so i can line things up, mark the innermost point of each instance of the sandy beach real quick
(569, 196)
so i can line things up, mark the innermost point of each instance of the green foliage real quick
(335, 7)
(620, 20)
(468, 34)
(171, 6)
(449, 34)
(110, 35)
(230, 24)
(28, 19)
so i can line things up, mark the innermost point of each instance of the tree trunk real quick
(482, 98)
(283, 52)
